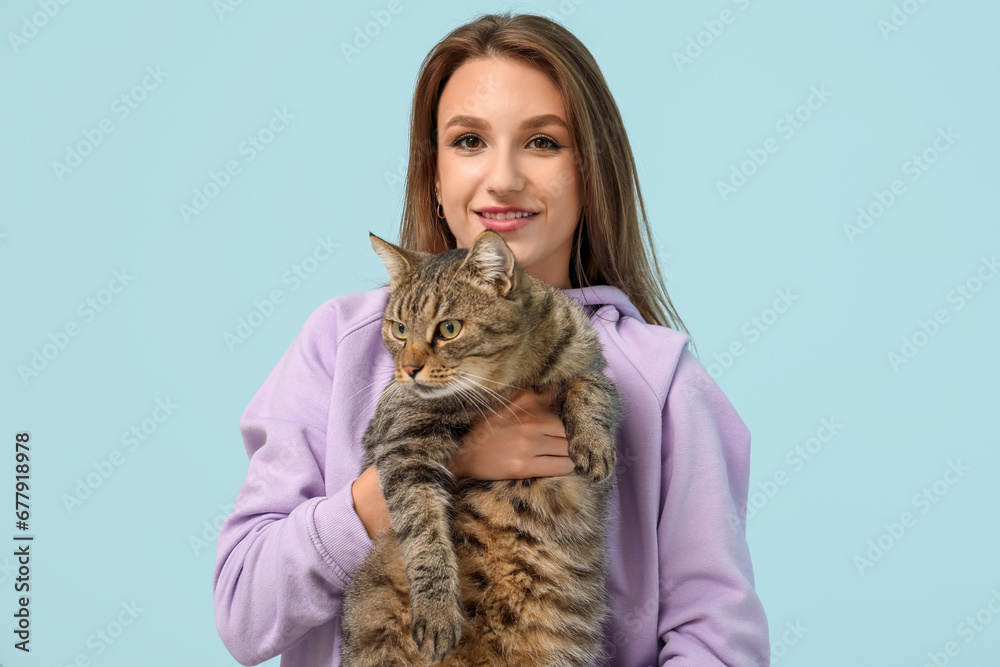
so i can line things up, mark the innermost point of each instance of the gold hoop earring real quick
(440, 211)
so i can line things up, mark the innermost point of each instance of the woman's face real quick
(503, 142)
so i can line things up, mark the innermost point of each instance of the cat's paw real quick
(436, 628)
(594, 455)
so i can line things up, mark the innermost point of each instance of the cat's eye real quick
(449, 328)
(398, 330)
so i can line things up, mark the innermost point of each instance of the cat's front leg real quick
(415, 483)
(590, 409)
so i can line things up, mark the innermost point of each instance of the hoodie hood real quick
(595, 296)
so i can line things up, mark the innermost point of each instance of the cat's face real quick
(450, 324)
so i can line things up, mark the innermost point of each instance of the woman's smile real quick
(501, 223)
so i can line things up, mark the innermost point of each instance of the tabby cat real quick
(477, 572)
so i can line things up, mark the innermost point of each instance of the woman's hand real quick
(369, 503)
(524, 438)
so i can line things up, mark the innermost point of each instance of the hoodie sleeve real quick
(288, 550)
(709, 611)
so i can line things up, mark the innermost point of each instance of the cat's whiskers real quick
(484, 401)
(475, 396)
(392, 388)
(513, 386)
(469, 391)
(452, 281)
(366, 366)
(505, 402)
(370, 384)
(464, 391)
(378, 374)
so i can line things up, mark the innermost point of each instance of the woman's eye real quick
(399, 330)
(552, 143)
(449, 328)
(549, 143)
(458, 143)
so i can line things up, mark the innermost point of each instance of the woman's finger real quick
(552, 466)
(554, 445)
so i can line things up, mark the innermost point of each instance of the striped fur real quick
(483, 573)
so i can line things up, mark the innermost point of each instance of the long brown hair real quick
(613, 245)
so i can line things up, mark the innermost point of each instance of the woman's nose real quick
(505, 173)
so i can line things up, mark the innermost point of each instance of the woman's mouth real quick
(490, 221)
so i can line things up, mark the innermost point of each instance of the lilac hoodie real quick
(679, 578)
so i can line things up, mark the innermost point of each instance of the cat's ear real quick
(397, 261)
(490, 262)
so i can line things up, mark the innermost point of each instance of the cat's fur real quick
(483, 573)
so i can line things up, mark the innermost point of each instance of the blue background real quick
(334, 171)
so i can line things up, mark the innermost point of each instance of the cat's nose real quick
(412, 370)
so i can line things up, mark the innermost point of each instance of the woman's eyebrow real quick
(531, 123)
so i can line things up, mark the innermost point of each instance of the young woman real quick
(513, 129)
